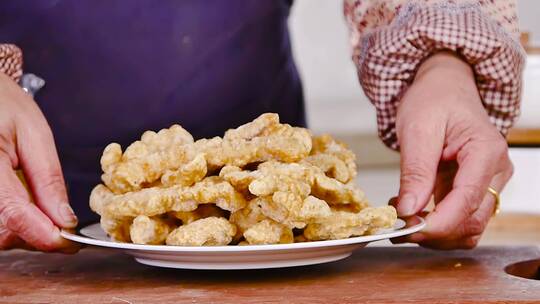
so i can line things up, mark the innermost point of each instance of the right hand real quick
(26, 143)
(449, 150)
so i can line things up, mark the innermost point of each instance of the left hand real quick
(449, 149)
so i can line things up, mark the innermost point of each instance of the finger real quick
(468, 242)
(465, 237)
(470, 185)
(477, 222)
(421, 148)
(411, 238)
(39, 161)
(8, 239)
(23, 218)
(445, 179)
(467, 234)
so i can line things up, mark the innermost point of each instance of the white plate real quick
(240, 257)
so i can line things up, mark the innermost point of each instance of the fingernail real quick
(68, 215)
(406, 205)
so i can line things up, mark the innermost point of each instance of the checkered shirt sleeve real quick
(390, 39)
(11, 61)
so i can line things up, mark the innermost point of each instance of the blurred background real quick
(333, 94)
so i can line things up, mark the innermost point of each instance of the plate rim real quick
(303, 245)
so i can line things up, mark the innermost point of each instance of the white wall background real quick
(335, 102)
(529, 18)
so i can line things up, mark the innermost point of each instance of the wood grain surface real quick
(370, 275)
(512, 229)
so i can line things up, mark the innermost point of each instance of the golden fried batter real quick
(149, 231)
(325, 144)
(155, 200)
(210, 231)
(335, 192)
(187, 174)
(248, 216)
(117, 228)
(293, 211)
(268, 232)
(203, 211)
(146, 160)
(342, 224)
(331, 165)
(287, 144)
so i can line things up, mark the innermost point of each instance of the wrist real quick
(447, 64)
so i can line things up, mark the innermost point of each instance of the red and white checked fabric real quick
(11, 61)
(391, 39)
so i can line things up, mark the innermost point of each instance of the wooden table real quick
(370, 275)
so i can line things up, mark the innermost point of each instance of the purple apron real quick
(114, 69)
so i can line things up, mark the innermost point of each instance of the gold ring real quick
(497, 200)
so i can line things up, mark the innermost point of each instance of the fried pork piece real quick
(331, 165)
(203, 211)
(247, 217)
(253, 129)
(187, 174)
(313, 209)
(144, 161)
(293, 211)
(275, 142)
(379, 217)
(271, 177)
(156, 200)
(149, 230)
(210, 231)
(117, 228)
(335, 192)
(268, 232)
(342, 224)
(328, 146)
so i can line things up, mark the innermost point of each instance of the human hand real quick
(449, 149)
(26, 142)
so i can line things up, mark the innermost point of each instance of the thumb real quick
(421, 147)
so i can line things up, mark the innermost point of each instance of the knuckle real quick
(12, 217)
(473, 196)
(471, 242)
(500, 146)
(498, 149)
(6, 238)
(509, 171)
(416, 173)
(50, 180)
(474, 226)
